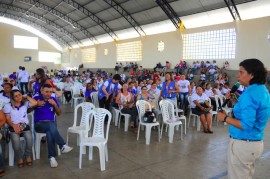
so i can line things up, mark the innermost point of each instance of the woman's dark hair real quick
(143, 87)
(41, 72)
(46, 86)
(256, 68)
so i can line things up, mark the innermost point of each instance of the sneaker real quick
(66, 149)
(53, 162)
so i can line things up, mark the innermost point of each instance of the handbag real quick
(149, 117)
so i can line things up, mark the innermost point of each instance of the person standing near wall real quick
(251, 114)
(24, 78)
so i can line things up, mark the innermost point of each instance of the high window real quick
(89, 55)
(218, 44)
(130, 51)
(25, 42)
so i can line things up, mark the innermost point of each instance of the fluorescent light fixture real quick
(32, 30)
(75, 46)
(218, 16)
(86, 42)
(105, 38)
(127, 34)
(255, 9)
(159, 27)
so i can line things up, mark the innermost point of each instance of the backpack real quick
(149, 117)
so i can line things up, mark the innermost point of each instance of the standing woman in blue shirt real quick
(169, 89)
(251, 114)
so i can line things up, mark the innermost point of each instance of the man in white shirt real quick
(67, 89)
(24, 79)
(210, 74)
(18, 73)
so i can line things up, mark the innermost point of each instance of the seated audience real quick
(200, 106)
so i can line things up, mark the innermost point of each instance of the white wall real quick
(11, 58)
(251, 43)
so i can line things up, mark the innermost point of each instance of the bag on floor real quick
(149, 117)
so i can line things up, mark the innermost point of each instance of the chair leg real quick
(198, 124)
(80, 157)
(171, 133)
(33, 152)
(126, 124)
(90, 157)
(188, 120)
(138, 134)
(102, 157)
(106, 153)
(147, 134)
(37, 146)
(10, 154)
(119, 121)
(181, 132)
(159, 133)
(116, 118)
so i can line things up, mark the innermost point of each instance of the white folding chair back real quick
(76, 96)
(61, 85)
(226, 108)
(79, 129)
(94, 97)
(196, 118)
(99, 138)
(142, 107)
(168, 115)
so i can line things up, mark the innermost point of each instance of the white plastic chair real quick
(180, 117)
(76, 96)
(94, 97)
(141, 107)
(61, 85)
(80, 129)
(10, 148)
(196, 118)
(11, 152)
(98, 139)
(168, 114)
(226, 108)
(38, 137)
(116, 115)
(218, 103)
(126, 118)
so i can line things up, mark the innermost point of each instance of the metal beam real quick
(168, 10)
(36, 26)
(233, 9)
(126, 15)
(61, 16)
(41, 18)
(92, 16)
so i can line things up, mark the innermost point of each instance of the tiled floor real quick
(198, 156)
